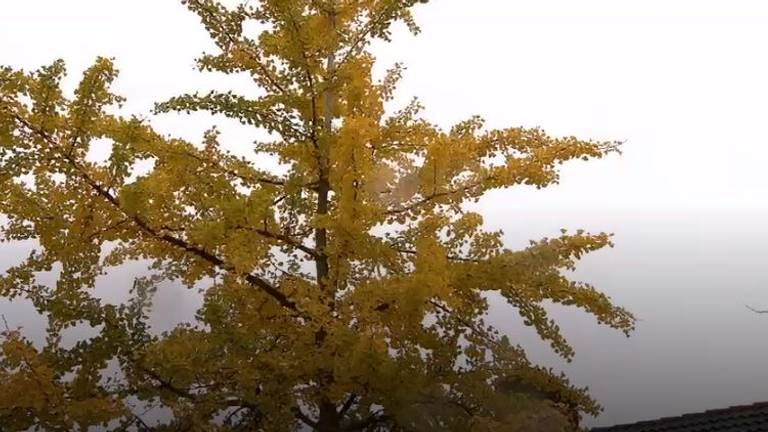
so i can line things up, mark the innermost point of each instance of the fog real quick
(687, 276)
(684, 85)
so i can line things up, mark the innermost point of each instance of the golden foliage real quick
(347, 294)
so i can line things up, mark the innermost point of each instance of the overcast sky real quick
(683, 82)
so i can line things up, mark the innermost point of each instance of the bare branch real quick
(347, 405)
(304, 418)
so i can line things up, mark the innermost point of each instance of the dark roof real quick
(746, 418)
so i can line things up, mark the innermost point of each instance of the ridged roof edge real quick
(666, 421)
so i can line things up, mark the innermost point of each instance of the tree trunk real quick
(329, 419)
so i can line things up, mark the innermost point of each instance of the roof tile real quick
(744, 418)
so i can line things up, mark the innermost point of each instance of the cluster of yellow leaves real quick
(347, 294)
(34, 395)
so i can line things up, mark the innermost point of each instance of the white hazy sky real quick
(683, 82)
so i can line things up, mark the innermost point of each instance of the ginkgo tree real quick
(347, 293)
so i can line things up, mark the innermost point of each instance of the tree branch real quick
(310, 81)
(304, 418)
(431, 197)
(287, 240)
(271, 80)
(197, 251)
(247, 179)
(347, 405)
(449, 257)
(372, 24)
(373, 419)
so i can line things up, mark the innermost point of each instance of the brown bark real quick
(329, 419)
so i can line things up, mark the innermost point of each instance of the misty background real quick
(684, 83)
